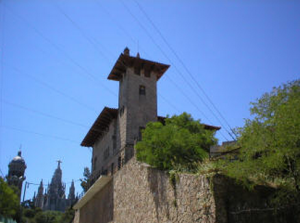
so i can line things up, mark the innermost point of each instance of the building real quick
(116, 130)
(16, 172)
(113, 136)
(54, 198)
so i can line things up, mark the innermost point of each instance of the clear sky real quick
(56, 56)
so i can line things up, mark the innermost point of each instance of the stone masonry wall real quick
(144, 194)
(139, 193)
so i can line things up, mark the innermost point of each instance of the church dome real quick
(17, 163)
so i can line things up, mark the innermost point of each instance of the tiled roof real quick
(129, 61)
(100, 126)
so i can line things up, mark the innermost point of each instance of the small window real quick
(147, 72)
(140, 133)
(137, 70)
(106, 154)
(95, 163)
(112, 168)
(142, 90)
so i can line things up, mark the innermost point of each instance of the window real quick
(112, 168)
(142, 90)
(114, 138)
(140, 133)
(137, 70)
(106, 154)
(95, 163)
(147, 72)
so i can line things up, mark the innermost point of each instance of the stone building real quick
(140, 193)
(16, 171)
(54, 198)
(115, 131)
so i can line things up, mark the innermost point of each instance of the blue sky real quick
(56, 56)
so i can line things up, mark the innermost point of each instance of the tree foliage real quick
(9, 201)
(36, 215)
(270, 142)
(48, 217)
(180, 143)
(86, 181)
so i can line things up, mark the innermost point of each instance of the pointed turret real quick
(39, 201)
(71, 195)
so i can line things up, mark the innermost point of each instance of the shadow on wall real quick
(158, 190)
(235, 204)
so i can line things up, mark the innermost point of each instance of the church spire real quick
(58, 163)
(71, 195)
(39, 201)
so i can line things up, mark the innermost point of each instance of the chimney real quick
(126, 51)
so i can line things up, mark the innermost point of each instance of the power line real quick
(60, 50)
(166, 56)
(93, 44)
(184, 66)
(81, 31)
(41, 134)
(52, 88)
(121, 27)
(2, 173)
(43, 114)
(2, 22)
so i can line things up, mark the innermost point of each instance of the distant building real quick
(16, 171)
(54, 198)
(228, 147)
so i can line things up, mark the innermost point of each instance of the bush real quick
(179, 144)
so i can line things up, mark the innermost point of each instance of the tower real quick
(115, 131)
(56, 191)
(71, 196)
(137, 96)
(39, 200)
(16, 171)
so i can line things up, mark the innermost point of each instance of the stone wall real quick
(144, 194)
(139, 193)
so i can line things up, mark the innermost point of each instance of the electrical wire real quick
(41, 134)
(89, 39)
(43, 114)
(58, 48)
(52, 88)
(183, 64)
(166, 56)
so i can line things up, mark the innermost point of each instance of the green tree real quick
(68, 216)
(181, 143)
(270, 141)
(86, 181)
(9, 201)
(48, 217)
